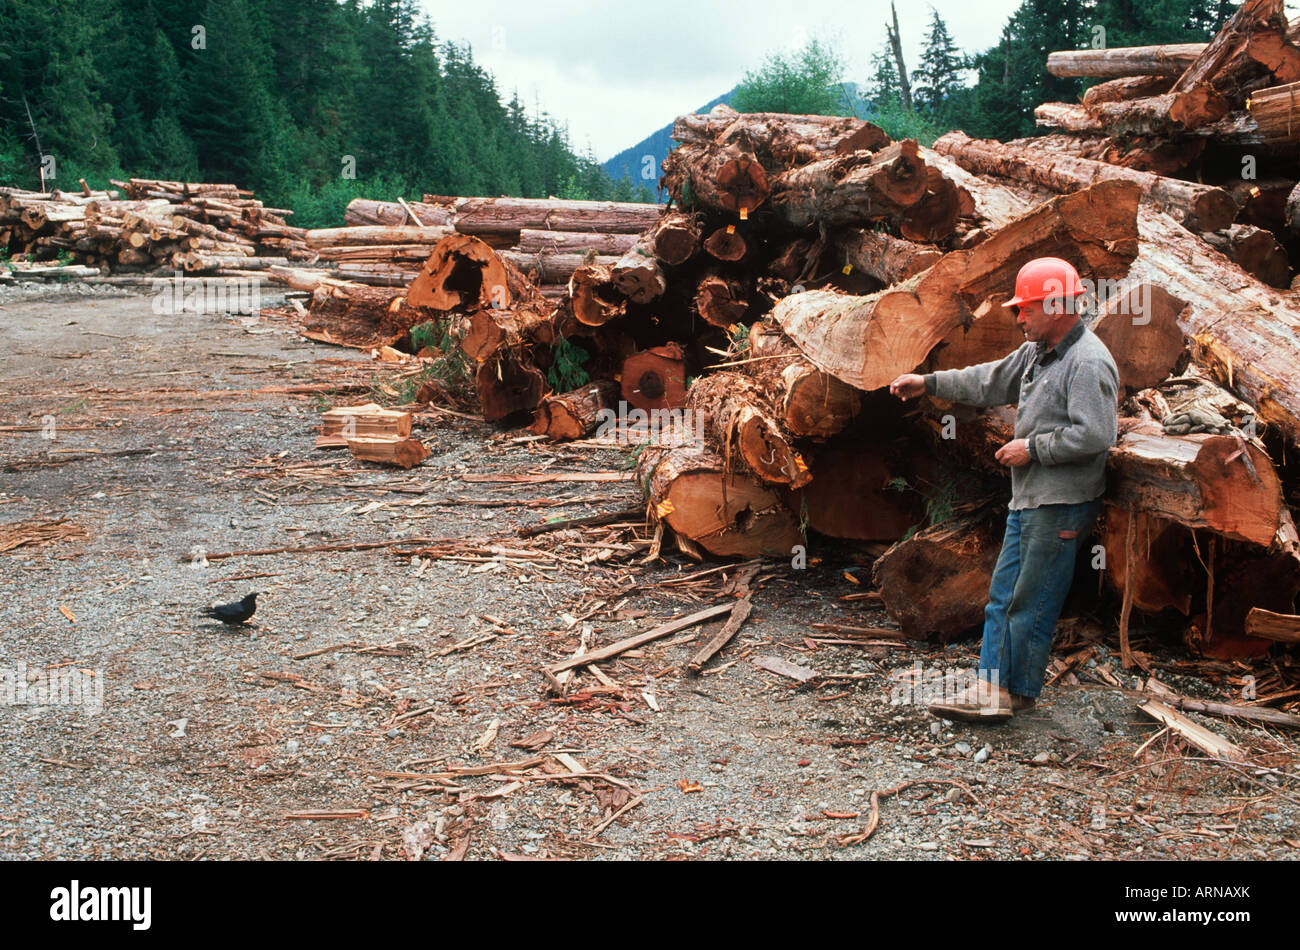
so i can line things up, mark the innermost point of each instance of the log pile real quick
(385, 242)
(147, 225)
(749, 328)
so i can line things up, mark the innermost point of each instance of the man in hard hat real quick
(1064, 384)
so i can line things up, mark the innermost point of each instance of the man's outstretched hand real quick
(1014, 454)
(908, 386)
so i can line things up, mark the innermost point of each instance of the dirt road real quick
(350, 720)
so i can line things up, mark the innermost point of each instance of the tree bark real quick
(511, 216)
(404, 453)
(1252, 43)
(737, 421)
(889, 259)
(780, 142)
(375, 234)
(1167, 60)
(533, 241)
(365, 212)
(1200, 206)
(718, 177)
(1168, 114)
(575, 414)
(853, 189)
(1126, 88)
(1241, 330)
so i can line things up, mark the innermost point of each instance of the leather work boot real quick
(1020, 703)
(983, 706)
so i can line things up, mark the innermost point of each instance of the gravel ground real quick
(209, 740)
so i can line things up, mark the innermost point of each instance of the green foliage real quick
(425, 334)
(309, 102)
(804, 82)
(939, 74)
(566, 373)
(739, 339)
(900, 123)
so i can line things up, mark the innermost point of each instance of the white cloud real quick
(616, 72)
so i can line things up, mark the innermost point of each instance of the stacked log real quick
(198, 228)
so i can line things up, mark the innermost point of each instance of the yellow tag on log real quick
(731, 229)
(664, 508)
(848, 269)
(744, 214)
(799, 463)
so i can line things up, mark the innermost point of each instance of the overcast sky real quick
(618, 71)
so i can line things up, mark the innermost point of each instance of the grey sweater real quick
(1067, 408)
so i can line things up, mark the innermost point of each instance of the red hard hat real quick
(1045, 278)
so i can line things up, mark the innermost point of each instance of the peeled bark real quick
(575, 414)
(726, 514)
(809, 403)
(868, 341)
(719, 177)
(853, 189)
(937, 581)
(738, 424)
(655, 378)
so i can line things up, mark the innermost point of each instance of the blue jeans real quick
(1030, 582)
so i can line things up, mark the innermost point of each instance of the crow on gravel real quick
(234, 613)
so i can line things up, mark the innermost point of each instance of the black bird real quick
(234, 613)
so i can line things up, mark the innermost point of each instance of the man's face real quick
(1035, 322)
